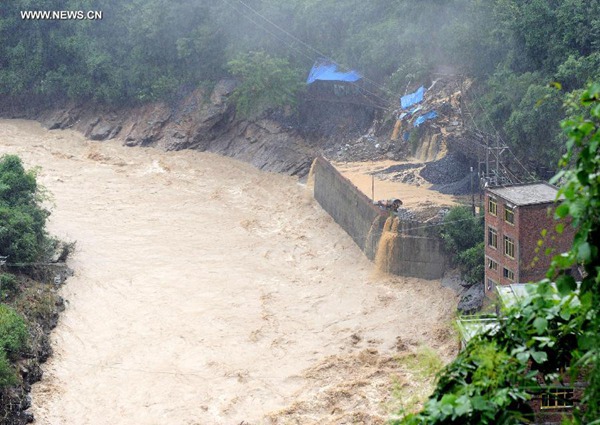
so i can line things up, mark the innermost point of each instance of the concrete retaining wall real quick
(414, 251)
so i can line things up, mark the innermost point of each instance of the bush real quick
(462, 235)
(461, 230)
(13, 332)
(7, 372)
(472, 265)
(8, 284)
(22, 234)
(265, 83)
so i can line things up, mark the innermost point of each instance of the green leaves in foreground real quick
(554, 328)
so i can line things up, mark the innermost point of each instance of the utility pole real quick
(372, 188)
(472, 194)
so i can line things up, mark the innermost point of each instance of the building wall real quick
(550, 416)
(554, 416)
(531, 261)
(502, 228)
(534, 265)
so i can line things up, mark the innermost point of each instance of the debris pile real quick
(421, 127)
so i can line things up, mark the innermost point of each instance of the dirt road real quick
(207, 292)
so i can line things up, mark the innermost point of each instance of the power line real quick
(443, 223)
(486, 115)
(305, 44)
(32, 264)
(386, 101)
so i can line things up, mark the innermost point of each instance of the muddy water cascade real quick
(385, 248)
(208, 292)
(371, 240)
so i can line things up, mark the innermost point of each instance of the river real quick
(206, 291)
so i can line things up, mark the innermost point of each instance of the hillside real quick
(158, 50)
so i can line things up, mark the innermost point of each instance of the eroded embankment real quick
(209, 292)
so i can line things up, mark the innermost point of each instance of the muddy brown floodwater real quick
(208, 292)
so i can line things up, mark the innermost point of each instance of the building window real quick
(492, 265)
(509, 247)
(490, 285)
(557, 398)
(492, 206)
(509, 214)
(509, 274)
(492, 237)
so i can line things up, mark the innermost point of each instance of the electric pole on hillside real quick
(492, 171)
(487, 148)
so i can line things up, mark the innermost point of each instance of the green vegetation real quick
(158, 49)
(13, 340)
(13, 332)
(421, 367)
(7, 372)
(8, 285)
(553, 330)
(462, 235)
(265, 83)
(23, 240)
(22, 219)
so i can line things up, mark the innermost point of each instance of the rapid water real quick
(205, 289)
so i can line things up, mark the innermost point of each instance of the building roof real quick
(527, 194)
(513, 293)
(469, 327)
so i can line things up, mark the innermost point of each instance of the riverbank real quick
(206, 290)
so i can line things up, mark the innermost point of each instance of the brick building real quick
(516, 219)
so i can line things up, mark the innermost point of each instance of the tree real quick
(552, 329)
(462, 235)
(265, 83)
(22, 219)
(581, 190)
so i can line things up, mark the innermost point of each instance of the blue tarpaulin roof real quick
(327, 71)
(428, 116)
(413, 98)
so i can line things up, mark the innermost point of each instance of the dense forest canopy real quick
(150, 49)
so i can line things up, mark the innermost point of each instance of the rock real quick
(31, 371)
(101, 131)
(451, 168)
(472, 300)
(222, 91)
(59, 118)
(28, 417)
(25, 403)
(452, 280)
(461, 187)
(144, 126)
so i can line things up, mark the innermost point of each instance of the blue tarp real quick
(413, 98)
(327, 71)
(428, 116)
